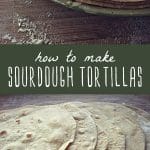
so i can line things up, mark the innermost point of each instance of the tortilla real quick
(128, 0)
(125, 119)
(109, 136)
(144, 120)
(75, 126)
(17, 112)
(40, 129)
(86, 134)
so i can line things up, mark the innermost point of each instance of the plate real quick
(110, 7)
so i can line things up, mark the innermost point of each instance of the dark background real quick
(66, 26)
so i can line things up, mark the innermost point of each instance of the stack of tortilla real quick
(120, 4)
(75, 126)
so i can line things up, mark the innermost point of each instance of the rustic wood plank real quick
(66, 26)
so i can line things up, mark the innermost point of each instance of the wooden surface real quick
(13, 101)
(66, 26)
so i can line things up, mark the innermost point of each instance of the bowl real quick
(108, 7)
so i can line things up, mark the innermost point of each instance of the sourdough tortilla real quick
(126, 120)
(109, 136)
(17, 112)
(128, 1)
(144, 120)
(86, 134)
(40, 129)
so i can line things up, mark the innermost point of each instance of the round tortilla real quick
(75, 126)
(39, 129)
(125, 119)
(17, 112)
(128, 1)
(109, 136)
(144, 120)
(86, 134)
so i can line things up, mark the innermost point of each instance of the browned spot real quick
(24, 113)
(3, 133)
(29, 135)
(18, 131)
(18, 121)
(39, 121)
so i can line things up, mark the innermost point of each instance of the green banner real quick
(74, 69)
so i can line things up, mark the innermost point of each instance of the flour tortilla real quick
(126, 120)
(86, 134)
(128, 1)
(144, 120)
(48, 128)
(17, 112)
(109, 136)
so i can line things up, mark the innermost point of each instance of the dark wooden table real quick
(13, 101)
(66, 26)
